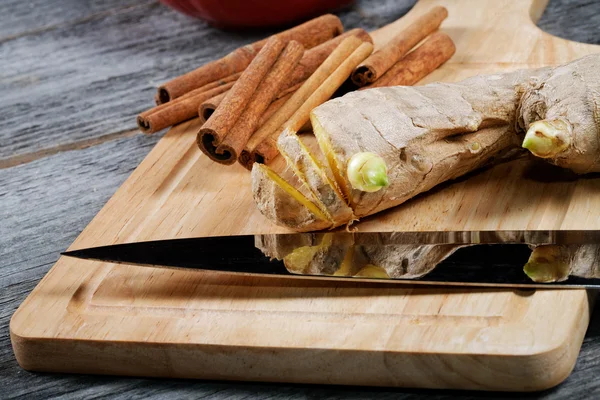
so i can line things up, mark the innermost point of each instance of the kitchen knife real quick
(498, 262)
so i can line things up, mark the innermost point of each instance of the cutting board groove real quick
(92, 317)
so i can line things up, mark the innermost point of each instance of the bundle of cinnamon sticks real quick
(178, 100)
(247, 98)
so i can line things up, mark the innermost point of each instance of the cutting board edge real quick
(30, 353)
(526, 372)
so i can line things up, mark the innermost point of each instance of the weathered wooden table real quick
(73, 75)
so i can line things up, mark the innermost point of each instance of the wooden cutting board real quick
(92, 317)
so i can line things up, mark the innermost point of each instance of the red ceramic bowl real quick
(254, 13)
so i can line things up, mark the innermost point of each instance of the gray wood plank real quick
(22, 17)
(573, 19)
(91, 79)
(46, 203)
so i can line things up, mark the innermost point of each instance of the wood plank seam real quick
(76, 145)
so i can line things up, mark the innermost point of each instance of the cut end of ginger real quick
(546, 139)
(326, 148)
(324, 192)
(294, 193)
(283, 203)
(367, 172)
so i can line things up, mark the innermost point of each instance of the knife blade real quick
(498, 265)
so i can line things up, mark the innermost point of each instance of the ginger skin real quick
(429, 134)
(566, 106)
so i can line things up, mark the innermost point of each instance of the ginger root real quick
(429, 134)
(564, 109)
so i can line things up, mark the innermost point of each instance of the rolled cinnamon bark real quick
(314, 57)
(207, 87)
(273, 107)
(382, 60)
(267, 150)
(264, 153)
(220, 123)
(267, 90)
(308, 64)
(208, 107)
(269, 131)
(419, 63)
(178, 110)
(289, 90)
(328, 87)
(245, 157)
(309, 34)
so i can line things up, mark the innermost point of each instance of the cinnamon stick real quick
(273, 107)
(273, 126)
(208, 86)
(309, 34)
(178, 110)
(220, 123)
(245, 126)
(314, 57)
(208, 107)
(264, 153)
(419, 63)
(328, 87)
(382, 60)
(308, 64)
(262, 146)
(289, 90)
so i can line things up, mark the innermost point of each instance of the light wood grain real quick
(210, 326)
(86, 305)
